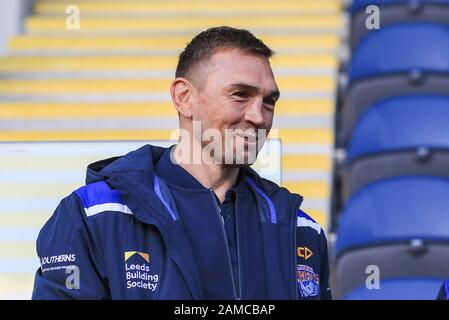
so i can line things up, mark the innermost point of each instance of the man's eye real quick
(241, 94)
(270, 102)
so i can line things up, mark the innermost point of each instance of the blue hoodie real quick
(121, 237)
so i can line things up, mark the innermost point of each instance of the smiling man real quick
(193, 221)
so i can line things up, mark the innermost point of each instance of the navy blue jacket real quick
(120, 237)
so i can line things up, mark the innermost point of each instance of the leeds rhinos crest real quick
(308, 281)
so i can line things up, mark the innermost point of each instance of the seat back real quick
(367, 170)
(395, 210)
(394, 11)
(400, 48)
(399, 289)
(398, 225)
(401, 123)
(408, 259)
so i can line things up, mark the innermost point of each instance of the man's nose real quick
(254, 113)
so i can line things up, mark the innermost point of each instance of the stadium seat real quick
(396, 60)
(398, 225)
(398, 136)
(398, 289)
(395, 11)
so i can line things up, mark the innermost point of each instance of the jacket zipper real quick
(238, 247)
(217, 210)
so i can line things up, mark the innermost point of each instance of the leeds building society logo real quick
(308, 281)
(138, 272)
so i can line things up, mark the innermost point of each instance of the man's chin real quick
(244, 160)
(242, 165)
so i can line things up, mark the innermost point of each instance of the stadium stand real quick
(109, 80)
(390, 177)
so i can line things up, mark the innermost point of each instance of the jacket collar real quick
(176, 175)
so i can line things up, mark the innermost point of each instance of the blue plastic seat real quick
(399, 225)
(395, 210)
(401, 48)
(405, 135)
(402, 123)
(399, 289)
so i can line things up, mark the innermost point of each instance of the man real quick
(191, 221)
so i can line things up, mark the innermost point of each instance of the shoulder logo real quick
(304, 252)
(308, 281)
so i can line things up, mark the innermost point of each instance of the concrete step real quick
(101, 86)
(169, 45)
(322, 135)
(33, 110)
(142, 123)
(284, 7)
(309, 23)
(12, 64)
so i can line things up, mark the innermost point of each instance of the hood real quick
(140, 160)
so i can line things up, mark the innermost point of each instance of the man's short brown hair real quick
(207, 43)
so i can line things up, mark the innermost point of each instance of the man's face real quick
(237, 94)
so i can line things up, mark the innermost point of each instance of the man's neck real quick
(218, 177)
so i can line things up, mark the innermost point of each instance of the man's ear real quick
(182, 94)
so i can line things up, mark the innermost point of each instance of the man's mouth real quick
(250, 138)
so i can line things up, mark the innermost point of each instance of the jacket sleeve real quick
(325, 289)
(312, 259)
(71, 266)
